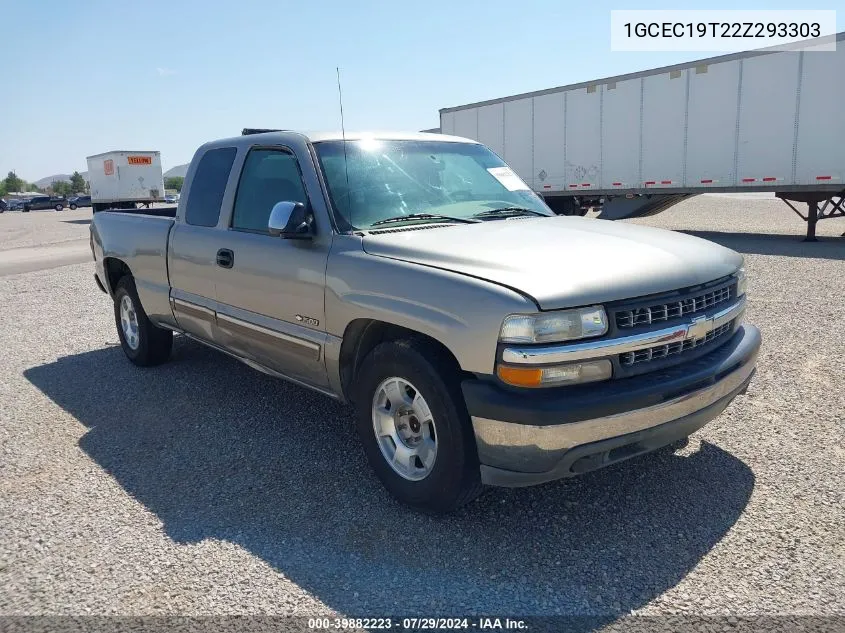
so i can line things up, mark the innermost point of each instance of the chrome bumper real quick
(515, 454)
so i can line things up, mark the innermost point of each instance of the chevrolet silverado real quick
(480, 338)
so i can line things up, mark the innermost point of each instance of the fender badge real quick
(307, 320)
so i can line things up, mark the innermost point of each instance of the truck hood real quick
(563, 262)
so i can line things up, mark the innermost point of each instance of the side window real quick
(269, 176)
(208, 186)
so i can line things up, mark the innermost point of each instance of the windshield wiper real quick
(423, 216)
(509, 211)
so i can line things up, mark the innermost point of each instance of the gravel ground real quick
(37, 228)
(204, 487)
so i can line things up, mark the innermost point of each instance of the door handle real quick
(225, 258)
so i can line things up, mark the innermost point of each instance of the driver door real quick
(270, 298)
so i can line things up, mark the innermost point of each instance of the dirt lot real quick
(204, 487)
(39, 240)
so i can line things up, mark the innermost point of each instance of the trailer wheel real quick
(564, 205)
(142, 342)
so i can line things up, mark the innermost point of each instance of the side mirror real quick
(291, 221)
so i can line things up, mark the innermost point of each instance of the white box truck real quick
(760, 120)
(123, 179)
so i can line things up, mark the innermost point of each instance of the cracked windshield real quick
(372, 181)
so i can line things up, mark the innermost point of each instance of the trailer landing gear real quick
(830, 208)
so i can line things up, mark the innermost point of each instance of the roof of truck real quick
(316, 137)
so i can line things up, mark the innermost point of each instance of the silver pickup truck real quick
(480, 338)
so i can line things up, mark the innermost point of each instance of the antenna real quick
(343, 136)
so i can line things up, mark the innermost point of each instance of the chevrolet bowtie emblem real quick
(700, 327)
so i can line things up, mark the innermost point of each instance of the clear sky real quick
(96, 75)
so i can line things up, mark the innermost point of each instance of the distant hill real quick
(49, 180)
(177, 172)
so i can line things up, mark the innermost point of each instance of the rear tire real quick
(142, 342)
(453, 478)
(59, 207)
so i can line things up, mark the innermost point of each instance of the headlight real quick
(571, 374)
(740, 282)
(551, 327)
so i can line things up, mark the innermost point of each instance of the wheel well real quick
(115, 269)
(363, 335)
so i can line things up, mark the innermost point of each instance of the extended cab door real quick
(270, 301)
(195, 241)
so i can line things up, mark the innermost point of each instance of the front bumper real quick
(530, 438)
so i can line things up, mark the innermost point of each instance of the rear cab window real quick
(208, 186)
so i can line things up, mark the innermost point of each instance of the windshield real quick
(379, 180)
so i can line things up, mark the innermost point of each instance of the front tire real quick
(414, 427)
(142, 342)
(73, 207)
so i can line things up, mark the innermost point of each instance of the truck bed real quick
(162, 212)
(139, 241)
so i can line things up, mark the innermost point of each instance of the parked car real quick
(171, 199)
(480, 338)
(4, 206)
(79, 201)
(45, 202)
(15, 204)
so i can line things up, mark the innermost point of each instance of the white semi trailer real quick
(634, 144)
(123, 179)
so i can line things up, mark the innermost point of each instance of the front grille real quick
(647, 315)
(662, 351)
